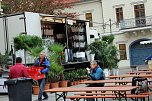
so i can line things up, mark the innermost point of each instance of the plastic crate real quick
(34, 72)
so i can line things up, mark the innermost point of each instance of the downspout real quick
(25, 34)
(67, 39)
(4, 29)
(5, 25)
(102, 14)
(25, 23)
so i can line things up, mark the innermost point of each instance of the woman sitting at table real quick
(95, 73)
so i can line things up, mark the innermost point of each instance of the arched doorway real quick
(139, 52)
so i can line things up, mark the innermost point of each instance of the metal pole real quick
(110, 26)
(102, 16)
(67, 39)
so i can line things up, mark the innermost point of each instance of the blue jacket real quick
(45, 63)
(97, 74)
(149, 57)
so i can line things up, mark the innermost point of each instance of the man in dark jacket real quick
(42, 61)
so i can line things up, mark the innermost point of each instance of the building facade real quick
(89, 10)
(129, 20)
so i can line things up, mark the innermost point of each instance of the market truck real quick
(75, 34)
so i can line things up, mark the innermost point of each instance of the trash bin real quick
(19, 89)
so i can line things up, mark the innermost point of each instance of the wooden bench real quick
(78, 97)
(108, 93)
(96, 93)
(112, 94)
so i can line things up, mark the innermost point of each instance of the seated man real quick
(95, 73)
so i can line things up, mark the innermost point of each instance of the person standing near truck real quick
(18, 70)
(42, 61)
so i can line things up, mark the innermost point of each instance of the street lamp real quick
(110, 25)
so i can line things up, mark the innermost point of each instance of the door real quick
(140, 15)
(138, 53)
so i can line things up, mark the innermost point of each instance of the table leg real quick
(58, 96)
(119, 96)
(125, 96)
(64, 96)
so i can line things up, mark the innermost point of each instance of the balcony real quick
(136, 22)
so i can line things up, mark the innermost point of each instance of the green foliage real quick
(3, 59)
(5, 8)
(34, 51)
(57, 48)
(55, 52)
(105, 52)
(77, 74)
(56, 71)
(22, 41)
(108, 39)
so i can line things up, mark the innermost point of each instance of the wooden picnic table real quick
(124, 82)
(148, 69)
(126, 76)
(139, 72)
(119, 90)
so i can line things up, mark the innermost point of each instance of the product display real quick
(73, 36)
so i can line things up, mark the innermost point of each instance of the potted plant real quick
(55, 73)
(82, 74)
(27, 42)
(105, 52)
(35, 88)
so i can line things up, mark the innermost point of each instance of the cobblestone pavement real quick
(52, 96)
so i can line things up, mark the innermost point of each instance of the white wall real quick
(33, 24)
(15, 27)
(2, 38)
(91, 6)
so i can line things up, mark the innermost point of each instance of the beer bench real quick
(78, 97)
(112, 93)
(119, 91)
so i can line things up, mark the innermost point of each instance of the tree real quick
(38, 6)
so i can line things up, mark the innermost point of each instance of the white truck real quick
(50, 28)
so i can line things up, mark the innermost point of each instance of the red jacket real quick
(17, 71)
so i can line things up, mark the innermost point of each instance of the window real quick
(139, 10)
(119, 14)
(122, 51)
(89, 17)
(140, 15)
